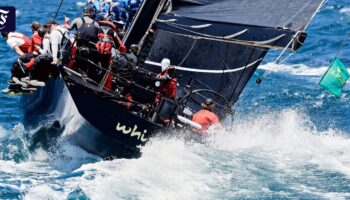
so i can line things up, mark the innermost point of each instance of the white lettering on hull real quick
(133, 132)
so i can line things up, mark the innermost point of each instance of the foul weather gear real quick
(206, 119)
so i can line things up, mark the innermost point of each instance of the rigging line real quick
(92, 82)
(298, 13)
(224, 67)
(233, 41)
(58, 10)
(267, 72)
(21, 66)
(135, 68)
(341, 47)
(309, 21)
(188, 53)
(239, 80)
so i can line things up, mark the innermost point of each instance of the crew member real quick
(106, 9)
(206, 117)
(106, 46)
(86, 61)
(37, 40)
(131, 55)
(133, 7)
(35, 26)
(57, 36)
(43, 67)
(167, 88)
(22, 45)
(77, 23)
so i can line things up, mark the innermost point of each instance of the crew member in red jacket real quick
(206, 117)
(167, 88)
(107, 41)
(22, 45)
(37, 37)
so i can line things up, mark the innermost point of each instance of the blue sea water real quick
(290, 138)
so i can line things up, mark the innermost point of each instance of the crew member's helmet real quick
(35, 25)
(88, 10)
(41, 31)
(165, 63)
(208, 104)
(134, 48)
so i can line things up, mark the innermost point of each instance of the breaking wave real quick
(275, 154)
(296, 69)
(345, 10)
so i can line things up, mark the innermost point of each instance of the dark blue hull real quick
(120, 132)
(45, 104)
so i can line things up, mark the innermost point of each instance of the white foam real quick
(80, 4)
(40, 155)
(18, 13)
(288, 137)
(43, 192)
(167, 170)
(296, 69)
(345, 10)
(174, 169)
(67, 157)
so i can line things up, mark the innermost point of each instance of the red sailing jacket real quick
(168, 88)
(36, 40)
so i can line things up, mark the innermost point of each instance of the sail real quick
(215, 65)
(291, 14)
(218, 44)
(267, 23)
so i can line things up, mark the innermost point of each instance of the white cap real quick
(109, 1)
(165, 63)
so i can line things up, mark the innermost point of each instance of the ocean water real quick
(290, 138)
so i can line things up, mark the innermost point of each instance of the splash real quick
(280, 154)
(12, 144)
(288, 137)
(274, 149)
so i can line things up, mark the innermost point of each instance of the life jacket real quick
(105, 41)
(27, 46)
(87, 33)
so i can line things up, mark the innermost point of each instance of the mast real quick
(147, 13)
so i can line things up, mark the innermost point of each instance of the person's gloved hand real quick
(26, 57)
